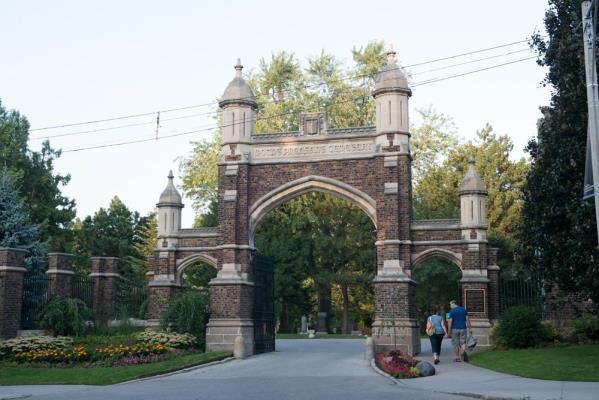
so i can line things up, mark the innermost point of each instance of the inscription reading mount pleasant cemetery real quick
(293, 150)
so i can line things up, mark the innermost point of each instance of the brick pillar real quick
(104, 275)
(475, 295)
(395, 324)
(163, 283)
(232, 291)
(60, 272)
(493, 293)
(12, 269)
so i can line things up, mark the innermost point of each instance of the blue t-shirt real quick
(458, 317)
(436, 321)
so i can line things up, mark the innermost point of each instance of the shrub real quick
(586, 327)
(65, 317)
(519, 327)
(187, 312)
(11, 347)
(169, 339)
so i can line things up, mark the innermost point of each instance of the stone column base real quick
(221, 334)
(407, 335)
(481, 330)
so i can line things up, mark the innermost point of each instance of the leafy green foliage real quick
(558, 233)
(586, 327)
(198, 276)
(519, 327)
(187, 312)
(34, 177)
(15, 229)
(65, 317)
(116, 232)
(438, 283)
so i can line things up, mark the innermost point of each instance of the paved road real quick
(328, 369)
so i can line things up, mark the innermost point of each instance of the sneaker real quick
(436, 361)
(465, 357)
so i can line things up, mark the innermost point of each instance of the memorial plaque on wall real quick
(476, 301)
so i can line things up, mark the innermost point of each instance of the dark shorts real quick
(458, 337)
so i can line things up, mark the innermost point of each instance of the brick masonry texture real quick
(11, 292)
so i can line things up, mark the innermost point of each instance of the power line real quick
(272, 101)
(434, 80)
(472, 72)
(314, 85)
(470, 62)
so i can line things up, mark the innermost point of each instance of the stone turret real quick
(473, 195)
(238, 104)
(169, 211)
(391, 93)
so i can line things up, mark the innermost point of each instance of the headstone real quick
(321, 322)
(425, 368)
(304, 325)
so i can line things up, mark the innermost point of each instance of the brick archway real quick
(370, 166)
(301, 186)
(192, 260)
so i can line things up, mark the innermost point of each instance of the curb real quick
(472, 395)
(180, 371)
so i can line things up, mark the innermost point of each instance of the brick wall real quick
(104, 275)
(12, 269)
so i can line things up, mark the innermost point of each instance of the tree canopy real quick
(558, 233)
(34, 177)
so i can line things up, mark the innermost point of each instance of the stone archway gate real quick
(369, 166)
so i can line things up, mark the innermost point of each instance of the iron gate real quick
(264, 304)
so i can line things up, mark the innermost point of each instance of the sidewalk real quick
(465, 378)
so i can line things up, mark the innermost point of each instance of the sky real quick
(64, 62)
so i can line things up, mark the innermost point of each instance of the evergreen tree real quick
(558, 235)
(34, 176)
(15, 229)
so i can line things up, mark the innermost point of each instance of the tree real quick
(558, 233)
(37, 183)
(115, 232)
(15, 229)
(432, 141)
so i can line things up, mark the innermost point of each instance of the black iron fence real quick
(83, 289)
(36, 294)
(130, 299)
(521, 291)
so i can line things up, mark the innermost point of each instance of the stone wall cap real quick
(230, 281)
(13, 249)
(104, 258)
(393, 278)
(61, 254)
(475, 279)
(12, 269)
(163, 283)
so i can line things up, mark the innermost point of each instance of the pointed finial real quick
(391, 55)
(238, 68)
(170, 175)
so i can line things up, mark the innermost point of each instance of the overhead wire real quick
(308, 86)
(98, 130)
(353, 99)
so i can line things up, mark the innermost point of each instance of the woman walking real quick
(435, 328)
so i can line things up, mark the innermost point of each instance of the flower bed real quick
(397, 364)
(146, 347)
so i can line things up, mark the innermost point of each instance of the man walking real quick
(458, 320)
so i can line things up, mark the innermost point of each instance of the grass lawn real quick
(15, 375)
(571, 363)
(318, 336)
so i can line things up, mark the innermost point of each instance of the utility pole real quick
(592, 95)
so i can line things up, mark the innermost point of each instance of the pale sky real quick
(72, 61)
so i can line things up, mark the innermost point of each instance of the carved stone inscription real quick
(475, 300)
(311, 150)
